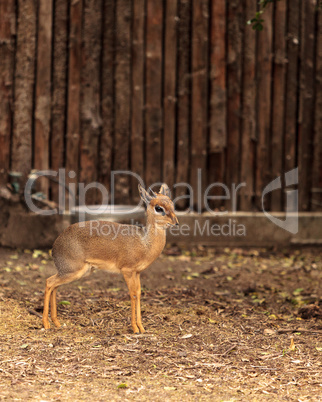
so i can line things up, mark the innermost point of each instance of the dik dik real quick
(79, 249)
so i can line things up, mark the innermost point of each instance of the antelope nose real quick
(174, 220)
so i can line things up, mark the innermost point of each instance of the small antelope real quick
(113, 247)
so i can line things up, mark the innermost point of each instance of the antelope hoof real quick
(46, 325)
(57, 323)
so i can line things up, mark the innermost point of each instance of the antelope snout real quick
(175, 221)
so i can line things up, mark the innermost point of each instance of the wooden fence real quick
(164, 88)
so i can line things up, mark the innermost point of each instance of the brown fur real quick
(113, 247)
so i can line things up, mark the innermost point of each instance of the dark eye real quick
(158, 209)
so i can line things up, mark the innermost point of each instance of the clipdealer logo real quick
(229, 228)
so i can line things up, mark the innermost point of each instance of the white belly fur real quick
(111, 266)
(104, 265)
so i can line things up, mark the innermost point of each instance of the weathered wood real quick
(199, 100)
(43, 91)
(316, 203)
(21, 159)
(278, 99)
(218, 115)
(7, 57)
(153, 95)
(74, 87)
(137, 93)
(248, 124)
(122, 98)
(218, 95)
(216, 174)
(59, 77)
(107, 90)
(235, 26)
(291, 95)
(306, 112)
(90, 95)
(263, 86)
(183, 104)
(135, 88)
(169, 92)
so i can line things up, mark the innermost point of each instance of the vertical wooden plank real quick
(291, 96)
(278, 99)
(24, 87)
(306, 113)
(248, 125)
(137, 92)
(59, 74)
(90, 95)
(264, 71)
(199, 100)
(218, 129)
(7, 57)
(184, 93)
(153, 95)
(218, 95)
(169, 93)
(236, 23)
(43, 91)
(122, 98)
(107, 93)
(317, 152)
(74, 74)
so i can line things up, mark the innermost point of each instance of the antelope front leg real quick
(138, 304)
(130, 279)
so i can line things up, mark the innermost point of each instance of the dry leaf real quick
(292, 345)
(269, 331)
(186, 336)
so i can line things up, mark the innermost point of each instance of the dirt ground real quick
(222, 325)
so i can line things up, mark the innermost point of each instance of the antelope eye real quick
(158, 209)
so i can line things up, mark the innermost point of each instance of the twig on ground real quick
(33, 312)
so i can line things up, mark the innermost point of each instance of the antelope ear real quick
(145, 196)
(165, 190)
